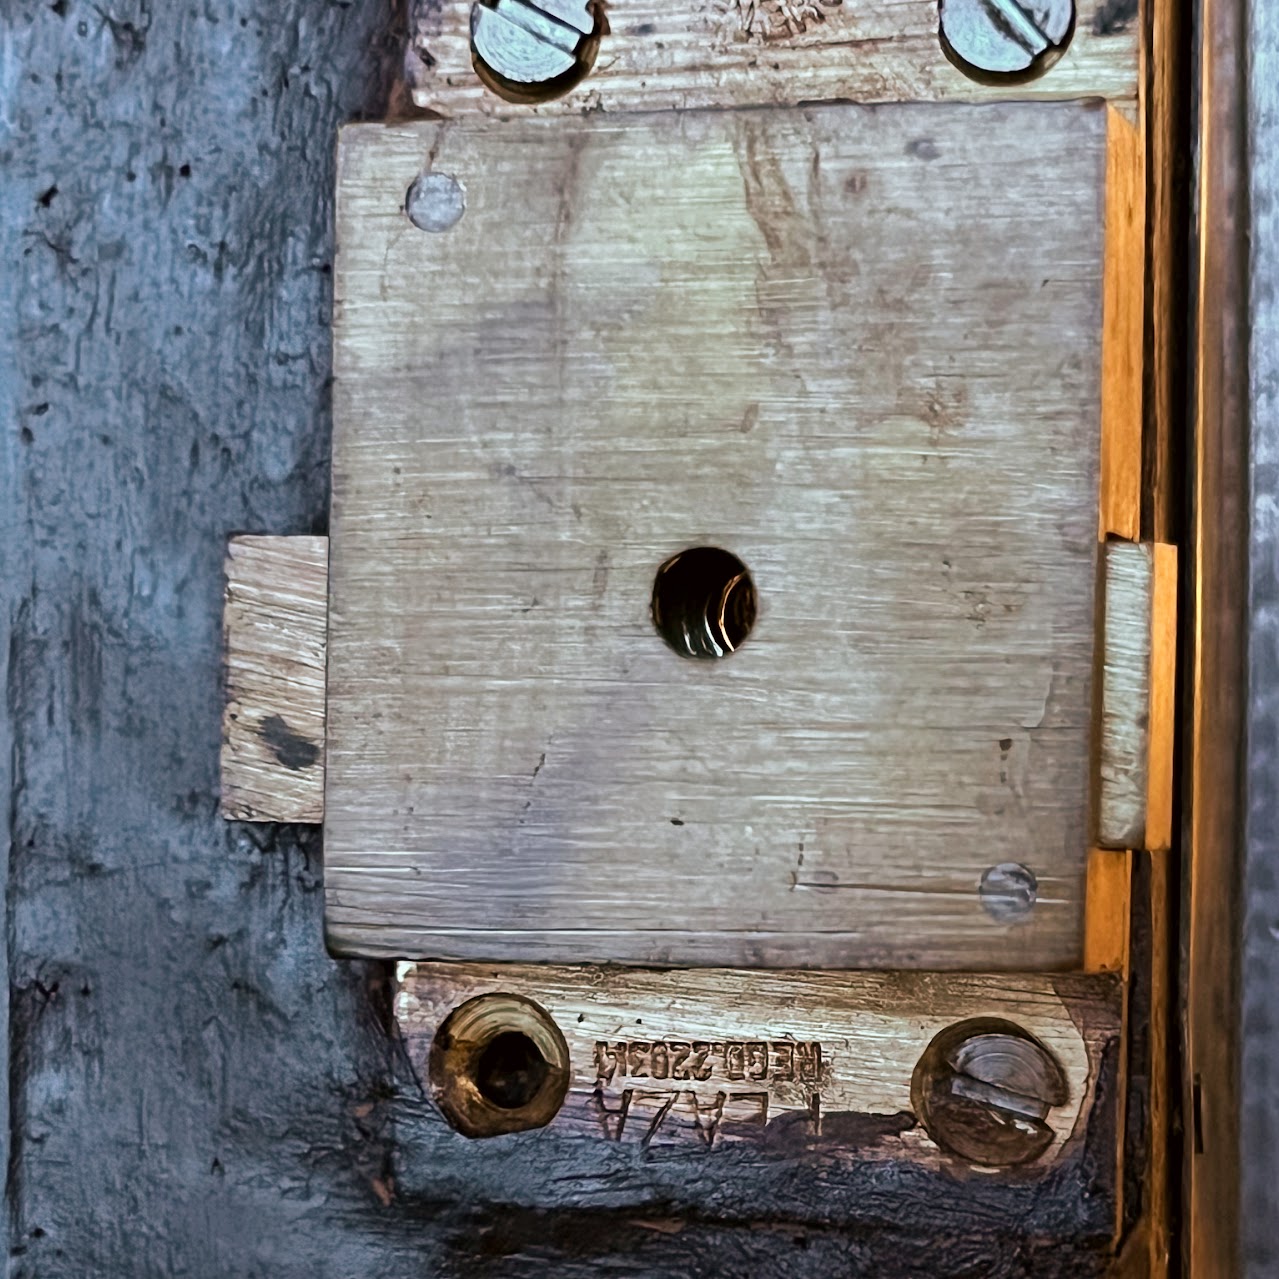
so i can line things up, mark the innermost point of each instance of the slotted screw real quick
(1005, 39)
(984, 1090)
(529, 45)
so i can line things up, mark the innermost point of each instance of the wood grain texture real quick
(1160, 1173)
(1151, 1176)
(274, 620)
(1216, 691)
(658, 54)
(1167, 92)
(858, 347)
(1124, 332)
(1134, 790)
(1125, 695)
(817, 1062)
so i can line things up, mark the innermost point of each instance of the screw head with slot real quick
(984, 1089)
(532, 50)
(1004, 40)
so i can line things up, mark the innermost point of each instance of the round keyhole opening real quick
(704, 602)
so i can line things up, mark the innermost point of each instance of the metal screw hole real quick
(498, 1064)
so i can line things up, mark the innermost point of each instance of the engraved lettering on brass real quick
(756, 1060)
(644, 1115)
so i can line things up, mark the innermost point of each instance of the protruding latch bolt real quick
(1002, 41)
(983, 1091)
(528, 52)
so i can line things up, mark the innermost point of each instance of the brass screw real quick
(983, 1091)
(1002, 40)
(532, 51)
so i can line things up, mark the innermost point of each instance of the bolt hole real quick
(529, 52)
(498, 1064)
(704, 602)
(510, 1071)
(1005, 42)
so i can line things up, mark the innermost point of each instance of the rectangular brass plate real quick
(804, 1062)
(858, 347)
(708, 53)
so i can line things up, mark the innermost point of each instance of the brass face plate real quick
(858, 348)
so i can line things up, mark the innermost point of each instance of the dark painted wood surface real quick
(197, 1089)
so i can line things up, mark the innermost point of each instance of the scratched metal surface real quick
(197, 1088)
(713, 53)
(858, 347)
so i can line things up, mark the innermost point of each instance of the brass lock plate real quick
(860, 350)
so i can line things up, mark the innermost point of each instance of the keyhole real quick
(704, 602)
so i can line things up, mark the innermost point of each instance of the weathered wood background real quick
(197, 1088)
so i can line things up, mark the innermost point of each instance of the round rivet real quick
(1008, 891)
(994, 41)
(435, 201)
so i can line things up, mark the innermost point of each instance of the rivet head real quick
(984, 1089)
(435, 201)
(1008, 891)
(1005, 40)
